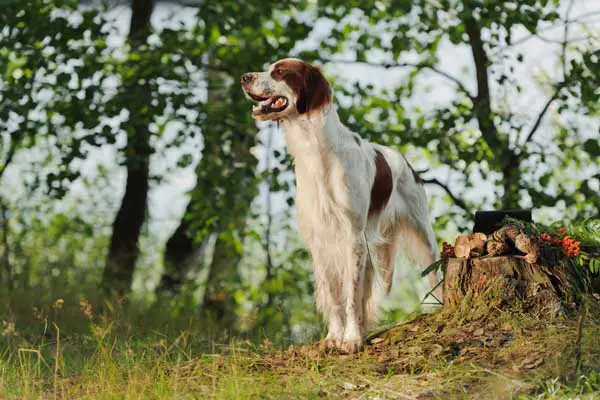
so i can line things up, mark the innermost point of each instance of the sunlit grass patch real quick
(77, 349)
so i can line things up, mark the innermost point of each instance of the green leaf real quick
(592, 147)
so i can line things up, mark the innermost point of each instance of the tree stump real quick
(546, 288)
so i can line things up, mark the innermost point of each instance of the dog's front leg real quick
(353, 291)
(328, 294)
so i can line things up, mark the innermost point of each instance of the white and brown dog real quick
(359, 204)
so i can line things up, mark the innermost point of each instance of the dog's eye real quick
(280, 71)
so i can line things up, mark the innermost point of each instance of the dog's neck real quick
(319, 131)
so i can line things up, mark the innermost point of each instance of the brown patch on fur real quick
(382, 186)
(306, 81)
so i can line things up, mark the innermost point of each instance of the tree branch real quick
(578, 19)
(455, 199)
(566, 39)
(385, 65)
(11, 153)
(542, 113)
(546, 107)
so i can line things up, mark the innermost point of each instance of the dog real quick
(359, 204)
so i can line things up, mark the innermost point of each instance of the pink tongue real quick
(267, 102)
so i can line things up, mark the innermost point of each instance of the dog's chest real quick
(321, 195)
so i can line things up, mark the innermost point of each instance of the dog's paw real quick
(329, 343)
(351, 346)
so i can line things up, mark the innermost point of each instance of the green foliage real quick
(50, 73)
(53, 247)
(473, 133)
(587, 232)
(237, 38)
(66, 91)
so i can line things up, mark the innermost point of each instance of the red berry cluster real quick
(447, 251)
(570, 247)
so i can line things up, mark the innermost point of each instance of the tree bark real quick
(123, 250)
(543, 288)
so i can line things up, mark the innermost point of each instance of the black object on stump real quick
(490, 221)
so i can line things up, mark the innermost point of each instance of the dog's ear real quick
(315, 92)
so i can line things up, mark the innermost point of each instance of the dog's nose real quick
(247, 77)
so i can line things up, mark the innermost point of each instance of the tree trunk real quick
(6, 275)
(482, 109)
(123, 250)
(546, 288)
(225, 187)
(183, 256)
(224, 276)
(184, 251)
(219, 300)
(510, 180)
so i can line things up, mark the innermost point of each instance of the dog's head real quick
(288, 88)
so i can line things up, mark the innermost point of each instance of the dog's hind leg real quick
(367, 286)
(353, 292)
(379, 275)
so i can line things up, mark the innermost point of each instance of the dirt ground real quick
(443, 355)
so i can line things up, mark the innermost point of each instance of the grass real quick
(70, 350)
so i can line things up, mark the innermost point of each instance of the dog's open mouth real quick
(267, 105)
